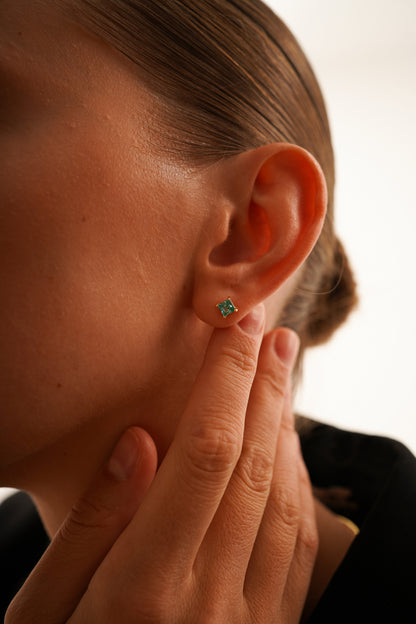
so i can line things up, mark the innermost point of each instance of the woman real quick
(167, 191)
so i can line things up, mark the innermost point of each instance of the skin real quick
(76, 163)
(112, 257)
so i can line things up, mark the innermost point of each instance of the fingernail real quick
(286, 345)
(253, 322)
(124, 457)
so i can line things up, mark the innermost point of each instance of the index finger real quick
(191, 481)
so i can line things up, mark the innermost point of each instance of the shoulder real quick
(350, 469)
(372, 480)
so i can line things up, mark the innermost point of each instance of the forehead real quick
(35, 36)
(42, 47)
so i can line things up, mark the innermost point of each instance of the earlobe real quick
(275, 208)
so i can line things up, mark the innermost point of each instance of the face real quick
(97, 231)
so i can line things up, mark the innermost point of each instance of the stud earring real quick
(227, 307)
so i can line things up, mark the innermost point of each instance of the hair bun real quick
(336, 298)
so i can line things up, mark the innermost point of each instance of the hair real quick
(231, 77)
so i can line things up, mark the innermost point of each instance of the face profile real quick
(113, 225)
(169, 254)
(86, 209)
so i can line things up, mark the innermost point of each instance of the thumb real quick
(57, 583)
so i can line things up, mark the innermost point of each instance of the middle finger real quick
(230, 538)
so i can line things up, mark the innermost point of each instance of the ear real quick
(269, 212)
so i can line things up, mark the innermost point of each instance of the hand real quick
(225, 531)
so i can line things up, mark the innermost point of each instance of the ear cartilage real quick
(227, 307)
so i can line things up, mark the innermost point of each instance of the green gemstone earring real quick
(226, 307)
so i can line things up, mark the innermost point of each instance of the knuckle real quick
(287, 426)
(214, 450)
(255, 470)
(287, 508)
(85, 515)
(275, 381)
(308, 539)
(240, 359)
(304, 478)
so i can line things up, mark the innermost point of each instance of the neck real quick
(77, 457)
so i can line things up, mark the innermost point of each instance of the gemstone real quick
(226, 307)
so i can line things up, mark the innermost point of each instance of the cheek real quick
(92, 265)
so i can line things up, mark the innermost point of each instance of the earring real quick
(227, 307)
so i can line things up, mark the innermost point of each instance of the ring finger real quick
(273, 552)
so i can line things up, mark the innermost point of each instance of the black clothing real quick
(22, 542)
(369, 479)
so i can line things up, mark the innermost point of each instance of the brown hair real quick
(231, 77)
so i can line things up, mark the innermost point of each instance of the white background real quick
(364, 54)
